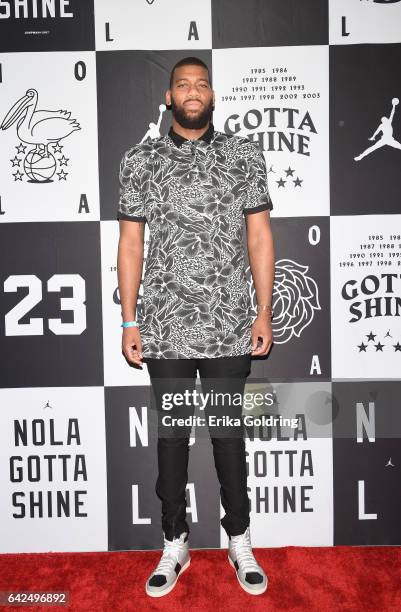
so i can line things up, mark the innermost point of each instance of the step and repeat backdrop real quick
(316, 84)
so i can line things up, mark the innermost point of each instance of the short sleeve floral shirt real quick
(193, 195)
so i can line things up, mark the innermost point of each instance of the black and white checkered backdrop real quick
(317, 85)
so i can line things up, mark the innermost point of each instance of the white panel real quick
(117, 370)
(278, 96)
(55, 109)
(47, 414)
(364, 21)
(278, 460)
(142, 24)
(365, 289)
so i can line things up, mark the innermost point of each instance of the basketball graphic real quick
(39, 168)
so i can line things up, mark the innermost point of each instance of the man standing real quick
(193, 187)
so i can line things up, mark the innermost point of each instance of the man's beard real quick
(194, 122)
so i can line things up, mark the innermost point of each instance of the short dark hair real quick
(189, 61)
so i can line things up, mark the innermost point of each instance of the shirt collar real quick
(179, 140)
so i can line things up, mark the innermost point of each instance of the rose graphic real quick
(295, 298)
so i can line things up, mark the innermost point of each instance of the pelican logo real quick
(42, 128)
(386, 129)
(295, 298)
(154, 128)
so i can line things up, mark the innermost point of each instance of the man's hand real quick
(261, 328)
(132, 345)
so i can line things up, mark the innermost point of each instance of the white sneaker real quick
(250, 575)
(174, 560)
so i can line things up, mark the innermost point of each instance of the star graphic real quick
(57, 148)
(281, 183)
(371, 336)
(21, 148)
(15, 161)
(18, 176)
(379, 347)
(63, 161)
(298, 182)
(397, 346)
(62, 175)
(362, 347)
(289, 172)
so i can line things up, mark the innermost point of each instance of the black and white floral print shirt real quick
(193, 195)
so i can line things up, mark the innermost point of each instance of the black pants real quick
(221, 374)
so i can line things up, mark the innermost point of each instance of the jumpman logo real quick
(154, 128)
(389, 463)
(386, 129)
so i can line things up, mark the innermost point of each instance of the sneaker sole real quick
(243, 586)
(170, 588)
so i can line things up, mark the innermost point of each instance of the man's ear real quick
(168, 97)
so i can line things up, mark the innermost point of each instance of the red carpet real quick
(340, 578)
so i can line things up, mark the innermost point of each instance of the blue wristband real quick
(130, 324)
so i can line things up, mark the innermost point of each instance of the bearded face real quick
(191, 115)
(191, 97)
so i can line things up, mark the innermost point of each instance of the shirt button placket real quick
(193, 158)
(193, 153)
